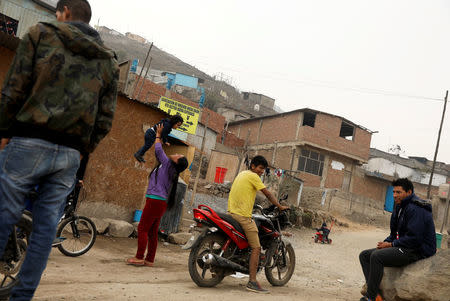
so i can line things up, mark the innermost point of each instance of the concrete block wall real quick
(357, 208)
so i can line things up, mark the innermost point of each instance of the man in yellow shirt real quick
(240, 206)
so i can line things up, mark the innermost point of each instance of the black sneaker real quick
(139, 158)
(256, 288)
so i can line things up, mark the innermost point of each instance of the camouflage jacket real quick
(61, 87)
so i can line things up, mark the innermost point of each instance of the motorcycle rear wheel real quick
(279, 268)
(202, 274)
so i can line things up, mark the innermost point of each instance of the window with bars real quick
(311, 162)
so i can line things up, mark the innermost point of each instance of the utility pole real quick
(244, 153)
(444, 222)
(194, 190)
(140, 74)
(145, 76)
(437, 146)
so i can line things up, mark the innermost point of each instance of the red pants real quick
(148, 228)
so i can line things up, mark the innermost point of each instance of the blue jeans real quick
(24, 163)
(150, 137)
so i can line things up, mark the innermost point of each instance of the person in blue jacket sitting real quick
(412, 237)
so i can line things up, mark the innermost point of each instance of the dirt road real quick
(323, 272)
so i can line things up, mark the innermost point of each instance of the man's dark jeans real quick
(374, 260)
(24, 163)
(150, 137)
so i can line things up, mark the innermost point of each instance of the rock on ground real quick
(179, 238)
(424, 280)
(119, 228)
(100, 224)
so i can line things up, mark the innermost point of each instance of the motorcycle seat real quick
(228, 218)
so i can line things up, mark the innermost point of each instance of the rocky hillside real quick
(128, 49)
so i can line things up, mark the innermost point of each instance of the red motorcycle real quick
(220, 248)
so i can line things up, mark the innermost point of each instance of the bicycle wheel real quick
(78, 234)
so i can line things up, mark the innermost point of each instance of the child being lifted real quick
(174, 122)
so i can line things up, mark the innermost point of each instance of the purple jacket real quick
(166, 170)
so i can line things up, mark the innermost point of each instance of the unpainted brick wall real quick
(325, 133)
(231, 140)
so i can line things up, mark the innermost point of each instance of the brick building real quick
(325, 151)
(320, 148)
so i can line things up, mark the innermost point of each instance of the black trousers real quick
(373, 262)
(150, 137)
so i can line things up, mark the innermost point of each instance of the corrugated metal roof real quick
(26, 12)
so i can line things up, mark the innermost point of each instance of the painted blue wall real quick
(186, 80)
(389, 203)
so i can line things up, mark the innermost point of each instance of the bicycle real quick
(76, 234)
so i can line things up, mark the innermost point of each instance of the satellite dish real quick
(256, 107)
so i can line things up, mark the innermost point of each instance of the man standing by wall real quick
(58, 102)
(412, 238)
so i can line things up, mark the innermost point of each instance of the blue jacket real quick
(413, 222)
(166, 130)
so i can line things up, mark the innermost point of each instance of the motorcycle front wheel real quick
(10, 266)
(205, 275)
(78, 235)
(280, 264)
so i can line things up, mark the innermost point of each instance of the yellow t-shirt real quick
(243, 193)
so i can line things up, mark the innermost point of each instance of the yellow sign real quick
(189, 114)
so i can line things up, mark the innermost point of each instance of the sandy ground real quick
(323, 272)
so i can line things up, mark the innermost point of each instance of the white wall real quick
(196, 140)
(387, 167)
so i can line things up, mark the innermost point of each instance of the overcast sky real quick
(382, 64)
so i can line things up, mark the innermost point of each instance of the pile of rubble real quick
(219, 190)
(303, 217)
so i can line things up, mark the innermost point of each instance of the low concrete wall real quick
(106, 210)
(357, 208)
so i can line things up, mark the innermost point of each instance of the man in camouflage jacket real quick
(57, 103)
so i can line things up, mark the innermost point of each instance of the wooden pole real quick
(145, 76)
(444, 222)
(244, 153)
(194, 190)
(437, 147)
(140, 74)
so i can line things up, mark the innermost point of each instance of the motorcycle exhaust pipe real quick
(216, 260)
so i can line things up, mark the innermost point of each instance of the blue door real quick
(389, 202)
